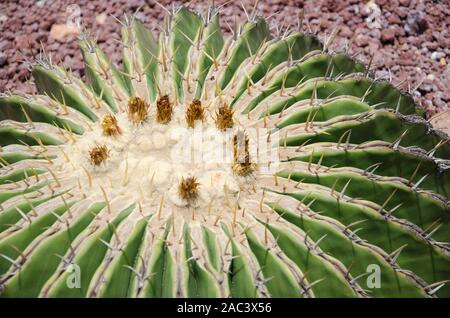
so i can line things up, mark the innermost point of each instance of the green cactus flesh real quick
(89, 181)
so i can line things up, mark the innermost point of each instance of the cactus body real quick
(93, 203)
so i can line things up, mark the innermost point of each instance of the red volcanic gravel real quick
(408, 39)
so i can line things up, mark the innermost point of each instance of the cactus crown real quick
(137, 110)
(188, 189)
(98, 155)
(110, 126)
(360, 181)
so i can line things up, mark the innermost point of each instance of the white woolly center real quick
(148, 161)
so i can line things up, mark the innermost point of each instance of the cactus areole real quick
(249, 165)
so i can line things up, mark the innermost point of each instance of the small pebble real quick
(3, 59)
(437, 55)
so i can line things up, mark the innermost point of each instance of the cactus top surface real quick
(255, 165)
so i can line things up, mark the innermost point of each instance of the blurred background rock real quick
(408, 39)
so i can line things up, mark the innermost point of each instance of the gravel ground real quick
(408, 39)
